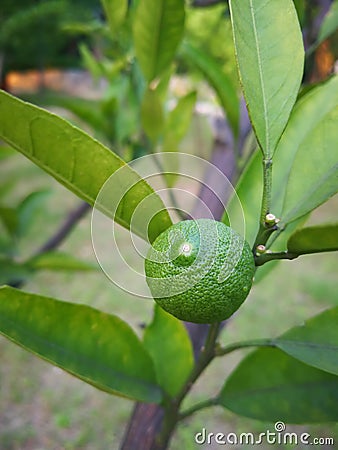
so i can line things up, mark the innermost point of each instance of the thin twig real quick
(198, 406)
(67, 226)
(272, 256)
(221, 351)
(58, 237)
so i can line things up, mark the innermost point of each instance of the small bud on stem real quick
(271, 220)
(260, 249)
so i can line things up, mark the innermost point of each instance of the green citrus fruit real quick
(200, 270)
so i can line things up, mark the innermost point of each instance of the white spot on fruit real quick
(186, 248)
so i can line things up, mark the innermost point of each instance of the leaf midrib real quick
(261, 79)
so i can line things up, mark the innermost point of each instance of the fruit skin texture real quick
(200, 270)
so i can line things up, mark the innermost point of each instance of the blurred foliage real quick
(207, 28)
(34, 33)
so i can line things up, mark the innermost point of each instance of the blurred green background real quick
(43, 408)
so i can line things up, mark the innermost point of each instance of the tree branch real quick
(56, 239)
(137, 436)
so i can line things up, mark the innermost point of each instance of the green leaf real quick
(126, 125)
(270, 385)
(84, 27)
(56, 260)
(89, 111)
(163, 82)
(329, 24)
(158, 29)
(280, 244)
(96, 347)
(7, 249)
(77, 161)
(270, 56)
(309, 112)
(245, 206)
(116, 11)
(169, 345)
(9, 218)
(313, 177)
(314, 343)
(90, 63)
(27, 210)
(152, 114)
(18, 220)
(12, 271)
(301, 10)
(320, 238)
(176, 127)
(178, 122)
(218, 80)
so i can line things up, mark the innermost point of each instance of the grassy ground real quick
(43, 408)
